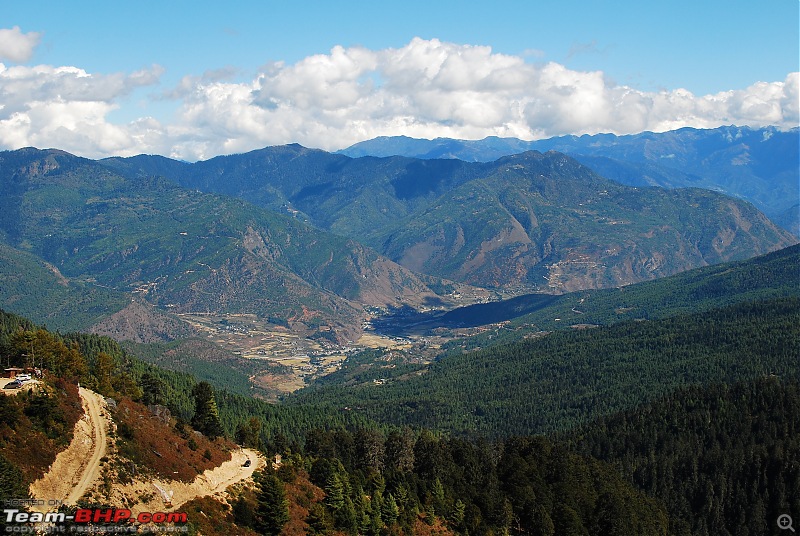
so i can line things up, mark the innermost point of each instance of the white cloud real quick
(16, 46)
(427, 88)
(67, 108)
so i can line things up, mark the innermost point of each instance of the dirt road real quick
(92, 405)
(78, 467)
(75, 468)
(212, 481)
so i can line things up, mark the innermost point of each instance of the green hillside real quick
(190, 251)
(723, 458)
(37, 290)
(565, 378)
(525, 222)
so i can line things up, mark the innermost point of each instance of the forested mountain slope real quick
(562, 379)
(717, 459)
(722, 458)
(411, 480)
(188, 251)
(528, 221)
(760, 165)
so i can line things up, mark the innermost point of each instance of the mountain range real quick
(760, 165)
(686, 386)
(314, 239)
(530, 221)
(185, 251)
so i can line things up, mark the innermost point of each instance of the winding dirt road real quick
(77, 467)
(212, 481)
(92, 404)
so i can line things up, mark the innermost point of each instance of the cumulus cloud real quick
(430, 88)
(66, 107)
(427, 88)
(17, 46)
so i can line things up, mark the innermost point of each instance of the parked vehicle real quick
(23, 377)
(15, 384)
(246, 464)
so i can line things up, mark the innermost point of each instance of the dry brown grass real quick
(24, 441)
(155, 444)
(212, 517)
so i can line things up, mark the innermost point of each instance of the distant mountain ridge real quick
(759, 165)
(526, 222)
(312, 238)
(186, 251)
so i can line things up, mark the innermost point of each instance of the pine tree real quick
(272, 507)
(334, 492)
(318, 520)
(390, 511)
(11, 486)
(102, 370)
(206, 414)
(153, 389)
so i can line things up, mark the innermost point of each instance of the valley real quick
(282, 361)
(400, 269)
(414, 393)
(291, 359)
(311, 258)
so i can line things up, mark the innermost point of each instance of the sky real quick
(193, 80)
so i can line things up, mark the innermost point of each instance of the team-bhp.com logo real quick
(90, 518)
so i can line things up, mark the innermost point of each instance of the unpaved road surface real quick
(77, 467)
(212, 481)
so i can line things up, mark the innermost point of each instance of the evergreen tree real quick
(334, 492)
(249, 434)
(390, 511)
(11, 485)
(243, 512)
(272, 507)
(102, 371)
(400, 450)
(11, 482)
(206, 415)
(457, 515)
(153, 389)
(318, 520)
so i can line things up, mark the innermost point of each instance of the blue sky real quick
(196, 79)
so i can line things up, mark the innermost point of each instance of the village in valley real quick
(293, 359)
